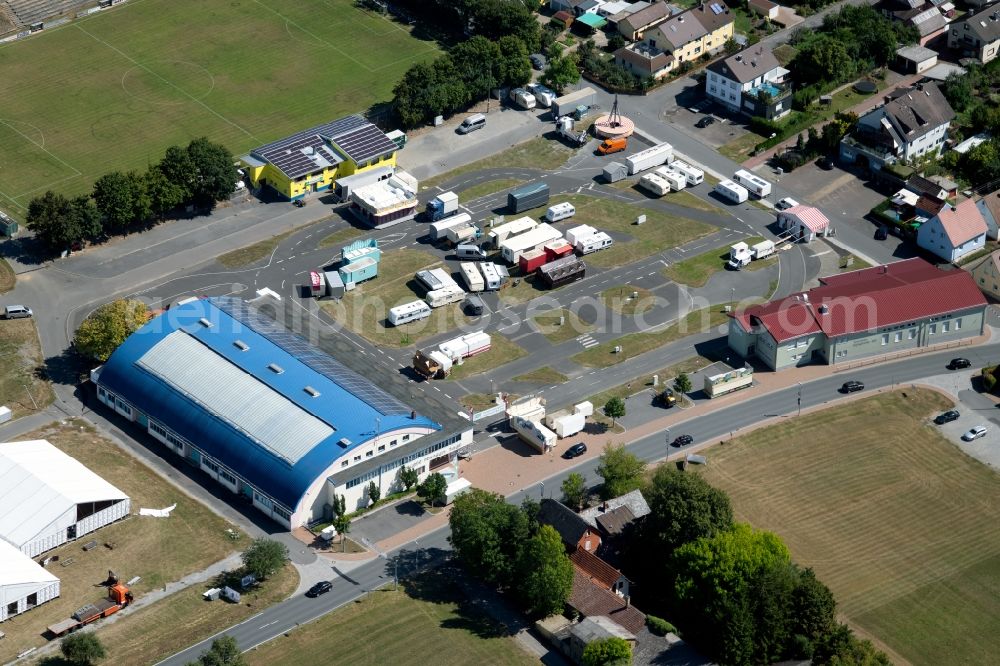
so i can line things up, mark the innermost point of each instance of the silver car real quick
(974, 433)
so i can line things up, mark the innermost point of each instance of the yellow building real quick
(312, 160)
(689, 35)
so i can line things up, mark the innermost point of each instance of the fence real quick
(903, 354)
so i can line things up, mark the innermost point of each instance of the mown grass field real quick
(22, 388)
(903, 526)
(112, 91)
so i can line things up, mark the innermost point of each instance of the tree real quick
(164, 194)
(263, 557)
(83, 648)
(408, 477)
(342, 523)
(224, 652)
(731, 46)
(475, 60)
(574, 490)
(428, 90)
(616, 42)
(545, 573)
(495, 19)
(683, 507)
(840, 647)
(113, 194)
(215, 175)
(58, 222)
(487, 534)
(562, 71)
(814, 606)
(142, 203)
(682, 383)
(823, 58)
(86, 218)
(433, 488)
(178, 168)
(621, 471)
(611, 651)
(374, 492)
(514, 68)
(107, 327)
(615, 408)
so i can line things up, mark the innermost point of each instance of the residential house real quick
(947, 185)
(587, 7)
(803, 223)
(750, 82)
(924, 15)
(564, 5)
(928, 206)
(680, 38)
(898, 307)
(600, 572)
(977, 36)
(987, 275)
(575, 532)
(989, 207)
(954, 232)
(645, 60)
(591, 599)
(926, 187)
(915, 59)
(594, 628)
(764, 8)
(635, 25)
(910, 124)
(614, 515)
(613, 8)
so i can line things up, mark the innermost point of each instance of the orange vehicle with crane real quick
(119, 596)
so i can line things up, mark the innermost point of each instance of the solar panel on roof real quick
(716, 8)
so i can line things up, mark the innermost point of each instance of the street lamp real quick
(800, 398)
(541, 493)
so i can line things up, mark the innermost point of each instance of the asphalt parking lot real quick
(976, 410)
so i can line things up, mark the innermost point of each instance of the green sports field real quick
(112, 91)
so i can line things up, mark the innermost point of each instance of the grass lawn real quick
(682, 198)
(162, 72)
(697, 270)
(502, 351)
(489, 187)
(633, 344)
(903, 527)
(339, 237)
(7, 277)
(160, 550)
(21, 388)
(185, 618)
(645, 382)
(364, 310)
(661, 230)
(620, 299)
(427, 621)
(544, 375)
(856, 263)
(535, 153)
(785, 54)
(251, 254)
(548, 325)
(477, 402)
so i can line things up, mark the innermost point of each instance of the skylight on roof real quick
(275, 368)
(242, 346)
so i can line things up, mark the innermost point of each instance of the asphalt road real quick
(285, 616)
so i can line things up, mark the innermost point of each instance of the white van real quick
(16, 312)
(407, 312)
(559, 212)
(470, 251)
(472, 123)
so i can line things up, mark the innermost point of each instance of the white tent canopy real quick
(40, 490)
(20, 578)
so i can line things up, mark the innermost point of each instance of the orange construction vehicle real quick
(119, 596)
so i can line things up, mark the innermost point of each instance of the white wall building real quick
(954, 232)
(23, 583)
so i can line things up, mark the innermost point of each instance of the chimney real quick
(805, 297)
(628, 601)
(604, 506)
(413, 415)
(953, 209)
(824, 309)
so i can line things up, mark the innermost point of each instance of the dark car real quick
(882, 233)
(704, 122)
(538, 61)
(825, 163)
(298, 203)
(319, 588)
(852, 387)
(947, 417)
(682, 440)
(576, 450)
(959, 363)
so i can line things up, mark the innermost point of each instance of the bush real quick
(989, 379)
(763, 126)
(659, 626)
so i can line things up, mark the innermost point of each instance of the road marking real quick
(263, 626)
(587, 341)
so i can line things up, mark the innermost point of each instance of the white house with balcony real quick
(750, 82)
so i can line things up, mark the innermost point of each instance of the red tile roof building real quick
(869, 312)
(954, 231)
(590, 599)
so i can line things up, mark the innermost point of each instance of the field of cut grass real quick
(427, 621)
(549, 326)
(252, 254)
(488, 187)
(159, 550)
(535, 153)
(22, 388)
(645, 382)
(339, 237)
(697, 270)
(501, 351)
(7, 277)
(112, 91)
(620, 299)
(546, 375)
(903, 526)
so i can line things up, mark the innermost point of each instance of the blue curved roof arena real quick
(251, 395)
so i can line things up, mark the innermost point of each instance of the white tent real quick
(48, 497)
(23, 583)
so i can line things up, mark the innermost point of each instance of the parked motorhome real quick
(732, 192)
(407, 312)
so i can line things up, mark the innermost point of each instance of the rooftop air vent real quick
(204, 322)
(311, 391)
(824, 309)
(344, 442)
(242, 346)
(275, 368)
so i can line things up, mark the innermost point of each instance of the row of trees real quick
(198, 175)
(505, 546)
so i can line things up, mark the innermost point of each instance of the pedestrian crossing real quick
(587, 341)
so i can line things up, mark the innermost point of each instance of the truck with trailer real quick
(119, 596)
(464, 235)
(334, 284)
(526, 197)
(676, 179)
(407, 312)
(439, 230)
(512, 248)
(753, 183)
(694, 175)
(568, 103)
(562, 271)
(739, 256)
(440, 297)
(593, 243)
(732, 192)
(356, 272)
(762, 249)
(654, 184)
(437, 363)
(523, 99)
(649, 158)
(566, 129)
(534, 433)
(471, 276)
(614, 171)
(513, 228)
(441, 206)
(432, 364)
